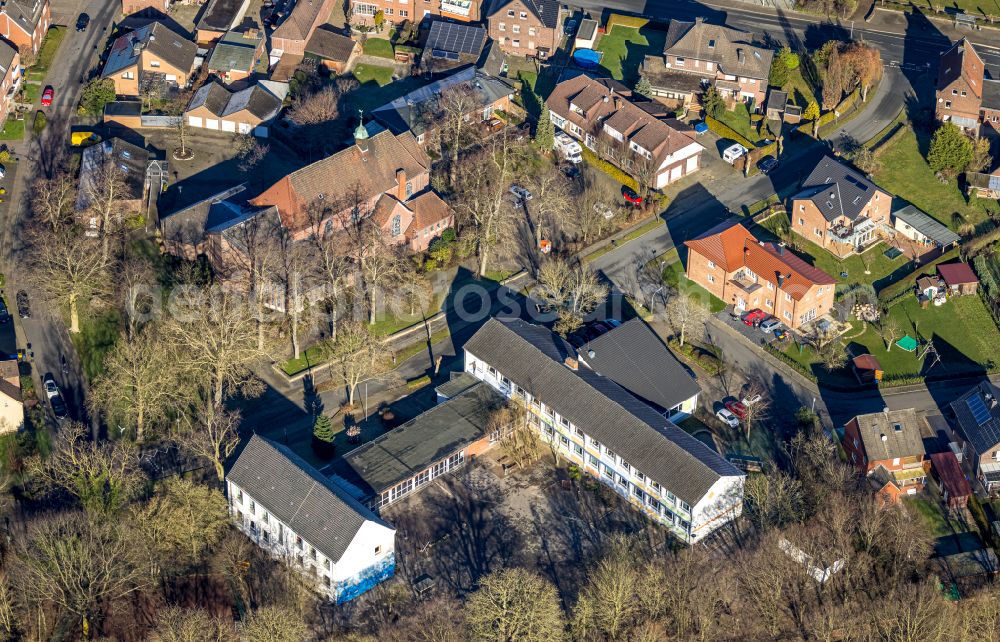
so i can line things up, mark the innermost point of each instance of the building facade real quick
(25, 22)
(733, 265)
(10, 70)
(151, 57)
(289, 509)
(612, 436)
(530, 28)
(960, 81)
(977, 433)
(397, 11)
(606, 117)
(888, 448)
(840, 210)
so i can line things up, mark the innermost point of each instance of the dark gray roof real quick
(532, 357)
(330, 45)
(587, 29)
(7, 54)
(220, 15)
(188, 225)
(459, 383)
(837, 189)
(219, 101)
(123, 108)
(991, 94)
(492, 60)
(777, 99)
(636, 359)
(169, 46)
(926, 225)
(417, 110)
(731, 49)
(456, 38)
(234, 52)
(901, 429)
(298, 495)
(547, 11)
(421, 442)
(26, 13)
(131, 159)
(978, 416)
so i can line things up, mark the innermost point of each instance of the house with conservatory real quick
(610, 433)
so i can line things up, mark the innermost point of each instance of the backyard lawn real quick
(371, 73)
(673, 275)
(624, 49)
(798, 89)
(738, 119)
(905, 173)
(378, 47)
(12, 129)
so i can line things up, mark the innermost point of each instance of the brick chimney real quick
(401, 184)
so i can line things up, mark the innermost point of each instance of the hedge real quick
(784, 358)
(841, 108)
(609, 169)
(695, 354)
(726, 131)
(634, 22)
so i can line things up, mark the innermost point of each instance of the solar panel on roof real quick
(461, 39)
(978, 409)
(994, 182)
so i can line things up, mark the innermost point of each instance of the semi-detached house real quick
(24, 22)
(610, 120)
(748, 274)
(151, 57)
(609, 433)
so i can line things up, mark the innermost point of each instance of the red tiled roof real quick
(950, 472)
(428, 209)
(723, 245)
(867, 362)
(957, 273)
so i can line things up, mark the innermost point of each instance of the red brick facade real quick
(518, 30)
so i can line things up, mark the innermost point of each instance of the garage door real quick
(211, 123)
(692, 164)
(194, 121)
(675, 173)
(244, 128)
(228, 126)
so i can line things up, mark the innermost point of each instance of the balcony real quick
(909, 476)
(745, 285)
(456, 7)
(858, 235)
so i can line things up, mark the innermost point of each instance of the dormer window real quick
(711, 44)
(679, 62)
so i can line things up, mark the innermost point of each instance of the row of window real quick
(515, 28)
(523, 15)
(423, 477)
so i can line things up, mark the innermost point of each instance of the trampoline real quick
(587, 58)
(907, 343)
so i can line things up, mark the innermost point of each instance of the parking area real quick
(754, 334)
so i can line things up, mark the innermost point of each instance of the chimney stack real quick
(781, 247)
(571, 363)
(401, 184)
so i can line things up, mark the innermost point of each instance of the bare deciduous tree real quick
(358, 356)
(176, 624)
(551, 201)
(758, 409)
(570, 289)
(515, 605)
(254, 264)
(274, 624)
(332, 261)
(197, 516)
(683, 313)
(53, 199)
(215, 436)
(315, 108)
(453, 123)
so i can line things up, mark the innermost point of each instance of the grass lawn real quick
(371, 73)
(798, 89)
(311, 356)
(624, 49)
(673, 275)
(929, 513)
(98, 333)
(31, 92)
(972, 7)
(378, 47)
(905, 173)
(738, 119)
(12, 130)
(47, 53)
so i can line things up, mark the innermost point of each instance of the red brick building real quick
(888, 448)
(531, 28)
(24, 22)
(749, 274)
(396, 11)
(960, 86)
(10, 78)
(698, 53)
(839, 209)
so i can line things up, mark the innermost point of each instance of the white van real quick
(733, 153)
(568, 148)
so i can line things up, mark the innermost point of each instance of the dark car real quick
(766, 164)
(571, 171)
(58, 406)
(23, 307)
(82, 22)
(4, 314)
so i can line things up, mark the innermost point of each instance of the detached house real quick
(732, 264)
(24, 22)
(839, 209)
(237, 53)
(698, 55)
(10, 78)
(960, 86)
(977, 419)
(530, 28)
(887, 448)
(610, 434)
(363, 11)
(382, 175)
(291, 36)
(610, 120)
(289, 509)
(151, 57)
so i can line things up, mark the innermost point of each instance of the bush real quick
(96, 94)
(609, 169)
(703, 358)
(38, 125)
(950, 149)
(725, 131)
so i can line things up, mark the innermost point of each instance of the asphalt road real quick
(45, 331)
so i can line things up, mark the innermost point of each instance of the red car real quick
(737, 409)
(48, 95)
(754, 317)
(630, 195)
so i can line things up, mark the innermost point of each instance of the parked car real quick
(737, 409)
(520, 192)
(82, 22)
(4, 314)
(3, 171)
(23, 307)
(48, 95)
(569, 28)
(51, 387)
(770, 324)
(631, 196)
(58, 406)
(754, 317)
(750, 398)
(766, 164)
(570, 171)
(733, 153)
(727, 418)
(568, 148)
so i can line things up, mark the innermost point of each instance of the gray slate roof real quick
(459, 383)
(221, 15)
(300, 496)
(421, 442)
(330, 45)
(532, 357)
(26, 13)
(416, 110)
(991, 94)
(188, 225)
(927, 226)
(7, 54)
(157, 38)
(733, 50)
(219, 101)
(837, 189)
(234, 52)
(636, 359)
(131, 159)
(979, 417)
(904, 442)
(547, 11)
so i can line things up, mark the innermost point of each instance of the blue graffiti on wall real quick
(366, 579)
